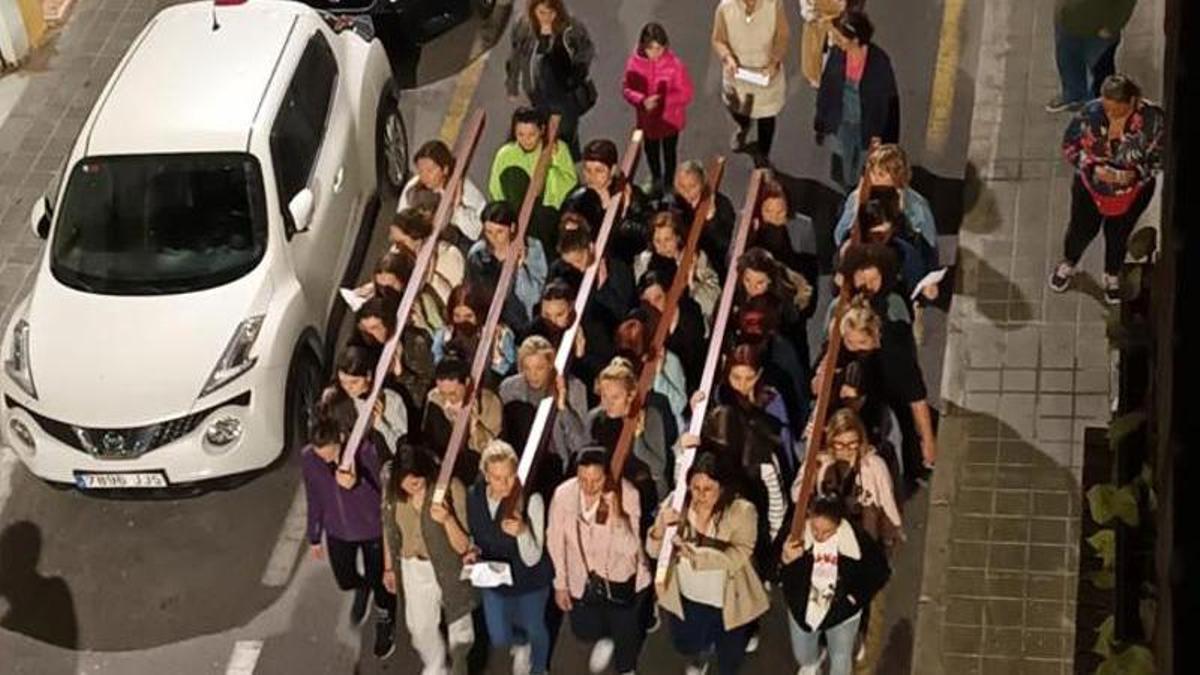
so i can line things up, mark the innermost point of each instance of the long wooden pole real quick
(816, 439)
(720, 321)
(487, 335)
(566, 347)
(715, 171)
(464, 153)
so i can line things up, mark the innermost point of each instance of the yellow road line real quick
(941, 103)
(460, 101)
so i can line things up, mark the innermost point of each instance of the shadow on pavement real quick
(38, 606)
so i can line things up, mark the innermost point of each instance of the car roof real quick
(188, 88)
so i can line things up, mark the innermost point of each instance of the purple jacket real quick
(349, 515)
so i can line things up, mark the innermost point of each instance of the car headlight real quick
(223, 431)
(236, 358)
(17, 364)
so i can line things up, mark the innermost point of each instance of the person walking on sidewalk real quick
(750, 38)
(659, 88)
(343, 507)
(551, 58)
(1086, 35)
(814, 39)
(1115, 144)
(858, 100)
(424, 544)
(600, 575)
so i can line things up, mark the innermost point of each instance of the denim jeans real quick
(1083, 63)
(701, 633)
(839, 639)
(505, 614)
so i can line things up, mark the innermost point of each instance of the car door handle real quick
(338, 179)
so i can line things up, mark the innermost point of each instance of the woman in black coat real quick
(858, 100)
(829, 576)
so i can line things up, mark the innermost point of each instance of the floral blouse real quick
(1087, 147)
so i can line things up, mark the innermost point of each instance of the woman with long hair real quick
(466, 311)
(712, 595)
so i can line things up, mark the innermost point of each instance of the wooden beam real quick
(464, 153)
(748, 214)
(487, 334)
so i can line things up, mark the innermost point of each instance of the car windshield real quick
(159, 224)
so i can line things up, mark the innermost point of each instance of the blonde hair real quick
(844, 421)
(890, 159)
(618, 370)
(535, 345)
(861, 317)
(497, 451)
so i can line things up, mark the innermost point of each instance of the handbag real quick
(598, 590)
(581, 89)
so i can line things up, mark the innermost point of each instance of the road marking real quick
(941, 104)
(287, 546)
(468, 79)
(244, 657)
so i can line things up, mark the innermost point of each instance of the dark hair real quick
(470, 296)
(1120, 88)
(561, 20)
(827, 505)
(424, 200)
(356, 361)
(526, 115)
(452, 367)
(413, 222)
(573, 238)
(558, 289)
(382, 306)
(412, 460)
(591, 455)
(864, 256)
(839, 480)
(712, 465)
(855, 25)
(772, 189)
(399, 264)
(651, 33)
(749, 354)
(882, 206)
(667, 218)
(601, 150)
(758, 316)
(499, 212)
(653, 277)
(633, 336)
(437, 152)
(326, 431)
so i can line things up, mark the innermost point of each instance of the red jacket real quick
(668, 77)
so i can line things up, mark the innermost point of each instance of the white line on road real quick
(291, 537)
(244, 657)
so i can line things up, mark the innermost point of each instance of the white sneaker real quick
(696, 668)
(861, 654)
(602, 653)
(812, 669)
(522, 656)
(752, 644)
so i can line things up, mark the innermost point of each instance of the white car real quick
(222, 188)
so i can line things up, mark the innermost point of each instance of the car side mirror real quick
(301, 209)
(39, 217)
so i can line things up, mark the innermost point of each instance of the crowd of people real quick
(573, 544)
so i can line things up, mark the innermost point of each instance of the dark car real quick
(417, 21)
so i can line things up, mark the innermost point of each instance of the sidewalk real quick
(1026, 371)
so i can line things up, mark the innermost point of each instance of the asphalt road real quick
(175, 585)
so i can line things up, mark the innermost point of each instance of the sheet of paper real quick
(932, 279)
(752, 77)
(487, 574)
(354, 300)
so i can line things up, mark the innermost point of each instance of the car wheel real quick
(391, 142)
(484, 8)
(303, 392)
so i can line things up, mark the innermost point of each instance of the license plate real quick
(121, 481)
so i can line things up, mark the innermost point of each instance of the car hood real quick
(118, 361)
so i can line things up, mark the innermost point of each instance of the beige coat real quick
(745, 597)
(818, 21)
(757, 41)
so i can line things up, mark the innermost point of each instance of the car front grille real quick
(127, 442)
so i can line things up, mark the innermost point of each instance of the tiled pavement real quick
(1027, 370)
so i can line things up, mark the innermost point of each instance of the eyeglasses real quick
(838, 445)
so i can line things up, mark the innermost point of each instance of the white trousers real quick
(422, 614)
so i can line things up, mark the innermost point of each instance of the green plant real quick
(1107, 501)
(1133, 660)
(1104, 543)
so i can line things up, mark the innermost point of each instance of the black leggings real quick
(766, 131)
(662, 153)
(1086, 222)
(343, 558)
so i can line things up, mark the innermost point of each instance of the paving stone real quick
(1013, 476)
(1050, 503)
(983, 380)
(967, 527)
(1048, 531)
(1092, 381)
(1007, 556)
(964, 611)
(1001, 665)
(1047, 644)
(1018, 380)
(1048, 587)
(1093, 406)
(1048, 558)
(973, 501)
(961, 664)
(968, 554)
(1003, 612)
(982, 452)
(1012, 502)
(1021, 348)
(1051, 615)
(965, 581)
(977, 475)
(1009, 530)
(962, 639)
(1053, 429)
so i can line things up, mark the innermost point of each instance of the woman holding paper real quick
(513, 543)
(750, 38)
(712, 594)
(423, 544)
(858, 101)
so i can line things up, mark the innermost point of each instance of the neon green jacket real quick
(560, 180)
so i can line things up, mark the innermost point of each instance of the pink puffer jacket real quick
(668, 77)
